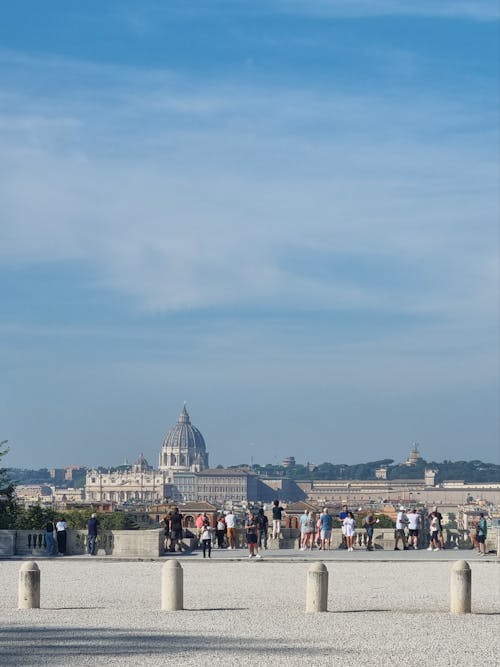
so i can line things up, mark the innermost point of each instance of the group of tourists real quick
(317, 532)
(223, 533)
(172, 531)
(56, 536)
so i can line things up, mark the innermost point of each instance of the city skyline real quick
(284, 214)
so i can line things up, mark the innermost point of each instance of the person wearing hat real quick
(399, 532)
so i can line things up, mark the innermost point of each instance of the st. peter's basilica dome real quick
(184, 447)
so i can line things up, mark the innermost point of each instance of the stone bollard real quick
(317, 588)
(460, 588)
(29, 586)
(172, 586)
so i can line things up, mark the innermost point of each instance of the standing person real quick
(251, 533)
(176, 530)
(303, 522)
(436, 513)
(326, 523)
(61, 528)
(220, 531)
(350, 530)
(166, 531)
(92, 531)
(343, 515)
(310, 530)
(369, 524)
(399, 532)
(481, 534)
(231, 529)
(277, 517)
(414, 525)
(206, 540)
(199, 522)
(49, 538)
(434, 532)
(263, 528)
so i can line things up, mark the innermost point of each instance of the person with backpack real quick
(481, 534)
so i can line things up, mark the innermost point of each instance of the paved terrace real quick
(383, 608)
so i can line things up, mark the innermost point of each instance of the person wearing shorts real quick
(176, 530)
(251, 533)
(326, 523)
(231, 530)
(481, 533)
(414, 522)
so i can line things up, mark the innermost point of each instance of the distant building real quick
(289, 462)
(140, 483)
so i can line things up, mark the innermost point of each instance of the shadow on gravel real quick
(59, 645)
(216, 608)
(357, 611)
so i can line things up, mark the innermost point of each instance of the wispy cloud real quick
(188, 196)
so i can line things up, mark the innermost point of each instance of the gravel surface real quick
(248, 613)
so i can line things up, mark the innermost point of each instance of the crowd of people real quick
(414, 529)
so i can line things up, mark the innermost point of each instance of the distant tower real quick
(183, 449)
(430, 477)
(414, 456)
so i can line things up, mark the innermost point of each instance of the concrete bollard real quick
(460, 588)
(172, 586)
(317, 588)
(29, 586)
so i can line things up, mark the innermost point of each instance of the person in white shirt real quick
(349, 525)
(231, 530)
(61, 527)
(206, 540)
(399, 533)
(414, 524)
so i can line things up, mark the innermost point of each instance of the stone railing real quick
(149, 543)
(118, 543)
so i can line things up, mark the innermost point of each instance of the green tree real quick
(8, 505)
(34, 517)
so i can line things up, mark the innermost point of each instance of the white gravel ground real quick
(249, 613)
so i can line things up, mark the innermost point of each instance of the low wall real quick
(149, 543)
(118, 543)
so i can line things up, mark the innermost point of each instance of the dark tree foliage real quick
(8, 505)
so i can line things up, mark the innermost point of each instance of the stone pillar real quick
(317, 588)
(29, 586)
(460, 588)
(172, 586)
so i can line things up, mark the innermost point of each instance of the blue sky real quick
(283, 213)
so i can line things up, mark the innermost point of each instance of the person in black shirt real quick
(92, 531)
(263, 523)
(49, 538)
(175, 529)
(277, 516)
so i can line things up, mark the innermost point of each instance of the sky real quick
(283, 213)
